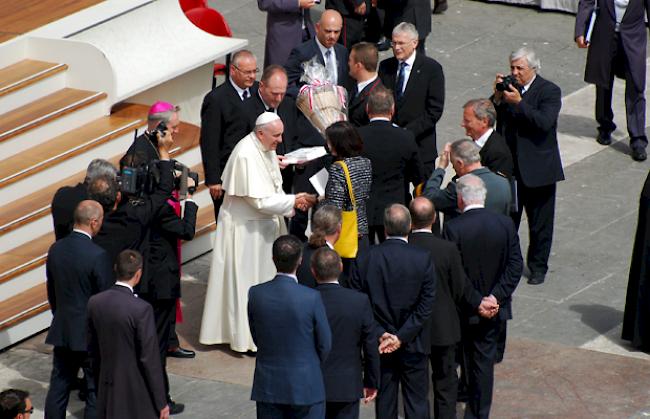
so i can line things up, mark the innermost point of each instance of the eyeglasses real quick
(250, 72)
(30, 411)
(400, 44)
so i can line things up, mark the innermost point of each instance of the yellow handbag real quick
(348, 243)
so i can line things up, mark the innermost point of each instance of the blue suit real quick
(289, 326)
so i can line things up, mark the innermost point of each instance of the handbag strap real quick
(349, 182)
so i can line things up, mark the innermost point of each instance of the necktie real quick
(245, 95)
(400, 80)
(329, 64)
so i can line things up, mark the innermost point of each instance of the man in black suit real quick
(159, 113)
(76, 269)
(363, 70)
(124, 348)
(288, 381)
(445, 322)
(298, 132)
(527, 119)
(348, 376)
(67, 198)
(479, 117)
(354, 18)
(414, 12)
(465, 158)
(395, 160)
(400, 281)
(418, 84)
(222, 122)
(325, 48)
(489, 248)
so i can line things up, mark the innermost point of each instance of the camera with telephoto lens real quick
(180, 182)
(506, 82)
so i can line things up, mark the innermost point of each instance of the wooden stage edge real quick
(19, 17)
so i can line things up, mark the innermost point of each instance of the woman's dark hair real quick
(344, 139)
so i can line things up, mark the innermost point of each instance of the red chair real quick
(187, 5)
(212, 22)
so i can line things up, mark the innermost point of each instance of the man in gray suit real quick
(288, 24)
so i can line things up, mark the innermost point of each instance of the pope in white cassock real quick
(250, 219)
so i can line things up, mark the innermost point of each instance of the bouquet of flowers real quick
(320, 100)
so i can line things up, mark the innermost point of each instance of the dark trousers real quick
(634, 100)
(501, 341)
(352, 31)
(164, 312)
(288, 411)
(217, 204)
(445, 381)
(342, 410)
(410, 370)
(374, 25)
(539, 204)
(376, 234)
(65, 366)
(480, 351)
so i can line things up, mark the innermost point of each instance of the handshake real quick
(304, 201)
(489, 307)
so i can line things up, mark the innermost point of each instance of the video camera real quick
(141, 180)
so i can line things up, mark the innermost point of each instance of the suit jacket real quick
(222, 126)
(346, 8)
(417, 12)
(395, 163)
(284, 22)
(164, 262)
(304, 275)
(64, 203)
(143, 145)
(129, 226)
(499, 192)
(489, 248)
(633, 37)
(530, 130)
(76, 268)
(452, 287)
(496, 156)
(357, 102)
(125, 357)
(421, 105)
(305, 52)
(288, 362)
(350, 317)
(400, 281)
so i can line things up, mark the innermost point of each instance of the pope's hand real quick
(283, 164)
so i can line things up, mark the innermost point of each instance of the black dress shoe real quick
(604, 138)
(175, 408)
(181, 353)
(639, 154)
(536, 278)
(441, 7)
(383, 44)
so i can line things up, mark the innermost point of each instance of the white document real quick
(305, 154)
(319, 180)
(590, 28)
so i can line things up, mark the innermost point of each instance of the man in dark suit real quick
(479, 117)
(400, 281)
(395, 160)
(489, 248)
(465, 158)
(222, 122)
(414, 12)
(124, 348)
(288, 381)
(159, 113)
(419, 87)
(445, 322)
(298, 132)
(76, 269)
(324, 46)
(617, 48)
(527, 119)
(354, 15)
(348, 376)
(67, 198)
(363, 70)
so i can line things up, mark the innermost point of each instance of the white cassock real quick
(250, 220)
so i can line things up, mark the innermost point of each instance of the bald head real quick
(397, 221)
(328, 28)
(88, 216)
(423, 213)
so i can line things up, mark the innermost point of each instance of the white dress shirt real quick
(239, 90)
(363, 84)
(483, 138)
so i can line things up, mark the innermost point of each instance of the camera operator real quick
(159, 113)
(527, 111)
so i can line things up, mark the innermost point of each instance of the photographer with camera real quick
(527, 111)
(161, 115)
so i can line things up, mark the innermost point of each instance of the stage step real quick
(26, 72)
(23, 306)
(38, 118)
